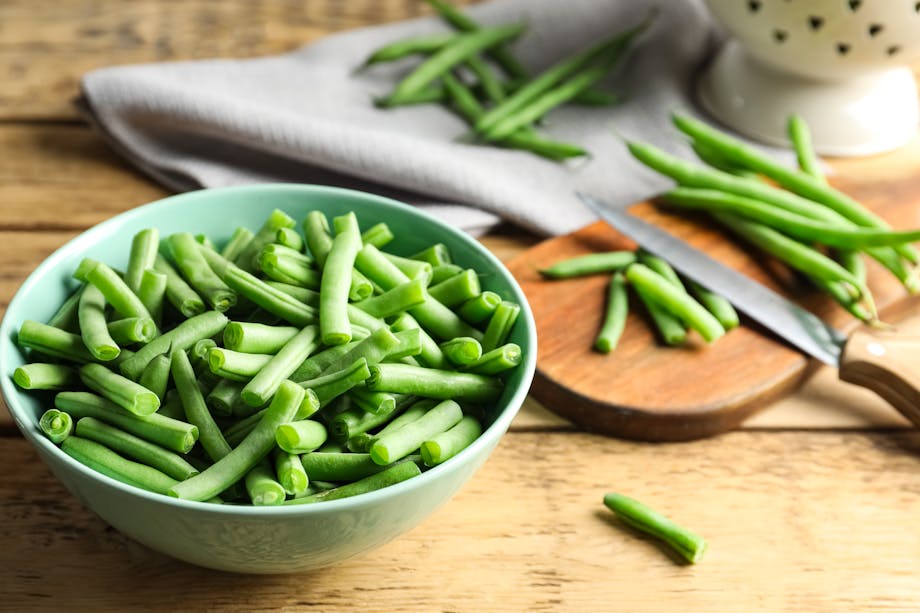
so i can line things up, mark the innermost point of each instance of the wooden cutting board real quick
(644, 390)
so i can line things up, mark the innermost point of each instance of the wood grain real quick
(796, 522)
(648, 391)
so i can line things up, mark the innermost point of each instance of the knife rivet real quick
(876, 349)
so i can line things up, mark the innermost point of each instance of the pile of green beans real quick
(234, 379)
(473, 71)
(673, 304)
(790, 214)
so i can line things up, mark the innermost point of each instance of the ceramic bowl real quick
(244, 538)
(843, 65)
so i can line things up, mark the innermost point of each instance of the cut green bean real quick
(593, 263)
(308, 296)
(52, 341)
(718, 305)
(385, 478)
(316, 232)
(66, 317)
(135, 447)
(225, 396)
(393, 446)
(93, 328)
(441, 447)
(165, 431)
(132, 330)
(457, 289)
(56, 425)
(462, 351)
(249, 337)
(186, 252)
(43, 376)
(179, 293)
(670, 329)
(152, 293)
(183, 336)
(144, 247)
(262, 487)
(339, 467)
(155, 376)
(497, 361)
(283, 268)
(373, 402)
(414, 269)
(330, 386)
(442, 273)
(436, 255)
(500, 325)
(313, 366)
(267, 297)
(676, 301)
(236, 432)
(116, 292)
(360, 440)
(301, 436)
(124, 392)
(290, 472)
(377, 235)
(257, 444)
(103, 460)
(247, 259)
(240, 238)
(432, 383)
(290, 238)
(401, 298)
(280, 366)
(335, 327)
(373, 350)
(430, 354)
(479, 309)
(614, 315)
(235, 364)
(641, 517)
(355, 420)
(196, 410)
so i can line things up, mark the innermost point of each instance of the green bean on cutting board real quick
(243, 385)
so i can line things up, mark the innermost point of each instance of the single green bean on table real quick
(45, 376)
(641, 517)
(56, 425)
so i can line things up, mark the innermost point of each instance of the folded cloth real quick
(308, 117)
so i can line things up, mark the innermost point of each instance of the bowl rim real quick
(489, 436)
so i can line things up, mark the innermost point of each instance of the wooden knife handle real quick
(887, 364)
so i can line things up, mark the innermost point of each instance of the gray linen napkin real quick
(306, 117)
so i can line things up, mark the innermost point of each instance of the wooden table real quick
(811, 506)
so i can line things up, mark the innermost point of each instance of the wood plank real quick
(796, 522)
(45, 48)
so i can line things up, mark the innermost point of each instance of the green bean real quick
(341, 467)
(546, 81)
(360, 288)
(500, 325)
(335, 327)
(101, 459)
(436, 255)
(122, 391)
(442, 273)
(155, 376)
(478, 309)
(135, 447)
(718, 161)
(641, 517)
(194, 268)
(316, 232)
(377, 235)
(236, 432)
(457, 289)
(797, 182)
(152, 293)
(240, 238)
(614, 316)
(372, 350)
(196, 411)
(496, 361)
(401, 298)
(413, 269)
(676, 301)
(314, 365)
(356, 420)
(257, 444)
(441, 447)
(838, 291)
(262, 487)
(589, 264)
(410, 345)
(93, 328)
(236, 365)
(144, 247)
(391, 476)
(183, 336)
(671, 330)
(249, 337)
(462, 351)
(307, 296)
(290, 238)
(301, 436)
(330, 386)
(290, 472)
(430, 354)
(280, 366)
(224, 396)
(432, 383)
(205, 241)
(165, 431)
(796, 226)
(491, 85)
(790, 251)
(800, 136)
(171, 405)
(66, 317)
(661, 267)
(56, 425)
(286, 269)
(404, 48)
(459, 49)
(52, 341)
(718, 305)
(42, 376)
(400, 443)
(361, 441)
(132, 330)
(247, 259)
(373, 402)
(179, 293)
(116, 292)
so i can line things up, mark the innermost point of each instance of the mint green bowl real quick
(243, 538)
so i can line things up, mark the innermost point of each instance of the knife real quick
(887, 364)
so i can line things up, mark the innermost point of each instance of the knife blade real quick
(885, 364)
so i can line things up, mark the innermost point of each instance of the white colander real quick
(844, 65)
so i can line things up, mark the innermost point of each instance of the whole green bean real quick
(135, 447)
(43, 376)
(800, 137)
(441, 447)
(641, 517)
(144, 247)
(614, 315)
(280, 366)
(395, 474)
(124, 392)
(671, 330)
(56, 425)
(406, 47)
(589, 264)
(718, 305)
(103, 460)
(432, 383)
(93, 328)
(257, 444)
(183, 336)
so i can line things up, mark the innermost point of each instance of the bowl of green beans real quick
(268, 378)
